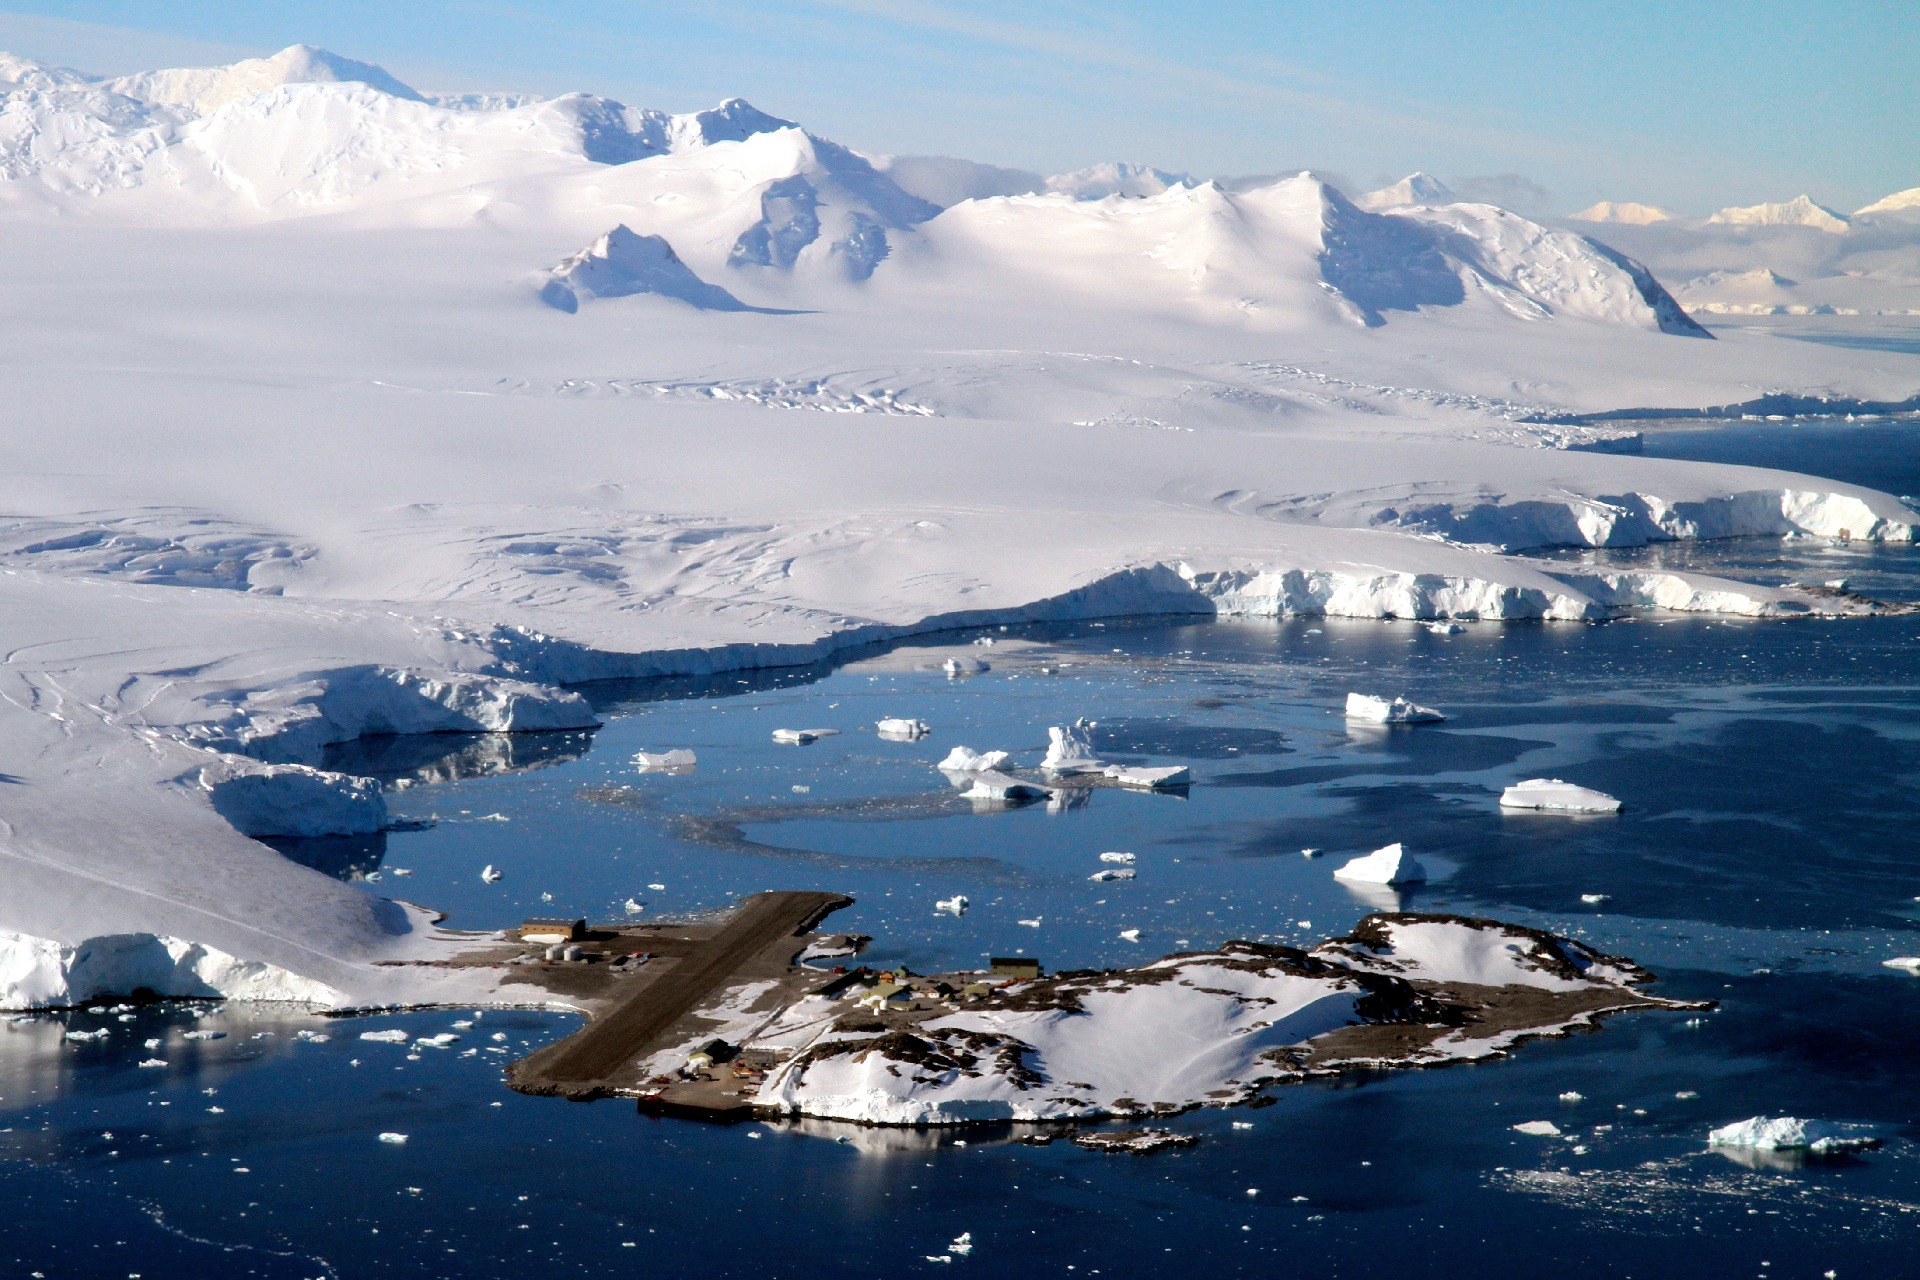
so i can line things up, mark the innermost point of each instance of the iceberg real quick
(967, 760)
(1070, 749)
(1391, 865)
(954, 906)
(1149, 779)
(903, 730)
(1361, 706)
(800, 737)
(991, 784)
(1786, 1133)
(1554, 796)
(679, 760)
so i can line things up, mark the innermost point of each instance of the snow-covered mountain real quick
(204, 90)
(1627, 212)
(1905, 203)
(1801, 211)
(1096, 182)
(621, 264)
(1415, 188)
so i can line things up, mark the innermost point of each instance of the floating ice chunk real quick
(967, 760)
(440, 1041)
(154, 1043)
(204, 1035)
(1910, 963)
(1361, 706)
(1070, 749)
(1573, 1096)
(678, 760)
(1555, 796)
(964, 666)
(1538, 1128)
(963, 1243)
(954, 906)
(83, 1036)
(1684, 1094)
(153, 1062)
(397, 1139)
(1445, 628)
(491, 875)
(393, 1036)
(1113, 873)
(1123, 859)
(1151, 779)
(318, 1037)
(1309, 853)
(1391, 865)
(657, 888)
(1031, 924)
(632, 908)
(903, 730)
(991, 784)
(1243, 1124)
(800, 737)
(1595, 899)
(1785, 1133)
(939, 1257)
(1130, 935)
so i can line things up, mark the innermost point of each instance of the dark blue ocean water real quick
(1768, 858)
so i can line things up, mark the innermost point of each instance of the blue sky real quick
(1691, 105)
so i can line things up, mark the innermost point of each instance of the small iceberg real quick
(1445, 628)
(967, 760)
(492, 875)
(954, 906)
(991, 784)
(903, 730)
(1121, 859)
(1150, 779)
(956, 667)
(1362, 706)
(800, 737)
(1538, 1128)
(679, 760)
(1070, 749)
(1551, 795)
(1391, 865)
(1910, 963)
(1785, 1133)
(1112, 873)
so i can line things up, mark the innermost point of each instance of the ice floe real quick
(1554, 796)
(902, 729)
(678, 760)
(1787, 1133)
(967, 760)
(800, 737)
(1375, 710)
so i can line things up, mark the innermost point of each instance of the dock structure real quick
(644, 1009)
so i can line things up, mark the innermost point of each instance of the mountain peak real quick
(1801, 211)
(204, 90)
(1415, 188)
(1623, 211)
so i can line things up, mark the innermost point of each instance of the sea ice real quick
(802, 736)
(1910, 963)
(1445, 628)
(954, 906)
(1361, 706)
(1554, 796)
(1389, 865)
(967, 760)
(964, 667)
(392, 1036)
(397, 1139)
(991, 784)
(903, 730)
(1595, 899)
(678, 760)
(1113, 873)
(1538, 1128)
(1149, 779)
(1123, 859)
(1130, 935)
(491, 875)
